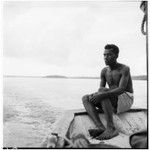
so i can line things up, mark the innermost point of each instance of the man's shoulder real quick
(105, 69)
(124, 67)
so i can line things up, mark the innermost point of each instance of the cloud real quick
(49, 34)
(71, 36)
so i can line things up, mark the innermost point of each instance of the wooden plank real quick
(88, 123)
(62, 125)
(76, 128)
(121, 141)
(130, 122)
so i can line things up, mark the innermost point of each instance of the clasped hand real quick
(95, 98)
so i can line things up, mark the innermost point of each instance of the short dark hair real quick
(113, 47)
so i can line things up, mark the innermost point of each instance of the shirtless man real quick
(115, 99)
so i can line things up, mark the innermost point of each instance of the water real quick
(32, 105)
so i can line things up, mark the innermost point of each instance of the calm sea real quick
(32, 105)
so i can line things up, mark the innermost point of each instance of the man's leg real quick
(110, 131)
(93, 113)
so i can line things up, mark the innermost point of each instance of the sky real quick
(68, 38)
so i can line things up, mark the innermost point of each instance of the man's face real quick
(109, 57)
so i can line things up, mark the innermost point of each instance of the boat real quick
(75, 122)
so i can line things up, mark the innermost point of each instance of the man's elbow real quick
(121, 90)
(118, 91)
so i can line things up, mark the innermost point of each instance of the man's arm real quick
(122, 85)
(103, 79)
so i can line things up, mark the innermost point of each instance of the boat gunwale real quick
(83, 112)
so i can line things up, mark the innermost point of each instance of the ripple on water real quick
(9, 113)
(28, 123)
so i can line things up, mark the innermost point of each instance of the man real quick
(115, 99)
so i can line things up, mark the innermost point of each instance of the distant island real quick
(140, 77)
(55, 76)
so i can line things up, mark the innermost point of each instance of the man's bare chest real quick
(113, 76)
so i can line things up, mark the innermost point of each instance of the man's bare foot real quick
(96, 132)
(108, 134)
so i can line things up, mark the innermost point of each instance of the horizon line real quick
(55, 75)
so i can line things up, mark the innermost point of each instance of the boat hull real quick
(77, 122)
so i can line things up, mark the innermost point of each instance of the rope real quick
(143, 23)
(143, 7)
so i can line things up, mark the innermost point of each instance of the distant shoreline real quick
(140, 77)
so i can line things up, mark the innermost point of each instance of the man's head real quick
(111, 54)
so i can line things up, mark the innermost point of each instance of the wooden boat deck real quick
(76, 122)
(126, 123)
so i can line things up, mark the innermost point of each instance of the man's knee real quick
(85, 98)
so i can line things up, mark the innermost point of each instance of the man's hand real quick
(94, 98)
